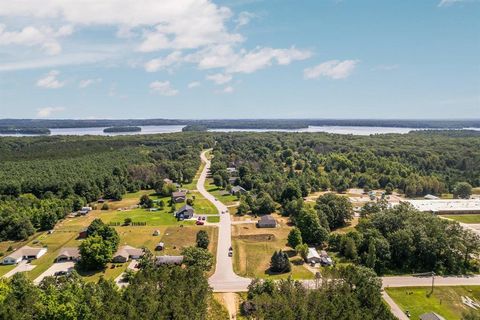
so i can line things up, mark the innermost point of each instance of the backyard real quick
(464, 218)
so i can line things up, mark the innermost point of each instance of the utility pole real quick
(433, 281)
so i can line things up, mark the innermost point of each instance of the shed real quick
(83, 234)
(156, 233)
(160, 246)
(267, 221)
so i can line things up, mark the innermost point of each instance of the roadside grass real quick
(253, 248)
(201, 205)
(5, 268)
(476, 190)
(222, 195)
(213, 219)
(464, 218)
(445, 301)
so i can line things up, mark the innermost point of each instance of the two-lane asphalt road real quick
(224, 279)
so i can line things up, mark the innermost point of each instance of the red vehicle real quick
(200, 223)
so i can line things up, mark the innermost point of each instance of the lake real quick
(361, 131)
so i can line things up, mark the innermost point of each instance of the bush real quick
(105, 206)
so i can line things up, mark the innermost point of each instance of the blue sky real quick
(240, 59)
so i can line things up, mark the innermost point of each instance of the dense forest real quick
(346, 293)
(417, 163)
(44, 178)
(154, 293)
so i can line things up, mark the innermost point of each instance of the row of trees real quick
(404, 239)
(98, 249)
(287, 166)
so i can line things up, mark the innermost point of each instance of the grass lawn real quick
(213, 219)
(222, 195)
(465, 218)
(446, 301)
(154, 218)
(5, 268)
(112, 271)
(253, 248)
(201, 205)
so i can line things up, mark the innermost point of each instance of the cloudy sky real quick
(239, 59)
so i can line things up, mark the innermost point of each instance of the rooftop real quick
(442, 205)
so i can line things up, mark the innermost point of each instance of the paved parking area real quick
(59, 266)
(23, 266)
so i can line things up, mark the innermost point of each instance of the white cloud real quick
(30, 36)
(88, 82)
(50, 81)
(224, 56)
(162, 63)
(46, 112)
(193, 84)
(228, 89)
(244, 18)
(386, 67)
(446, 3)
(219, 78)
(333, 69)
(163, 88)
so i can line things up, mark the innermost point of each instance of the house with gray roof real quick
(185, 212)
(267, 221)
(168, 260)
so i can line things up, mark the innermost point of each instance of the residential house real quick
(168, 260)
(167, 181)
(185, 212)
(325, 260)
(237, 190)
(68, 254)
(313, 256)
(231, 170)
(24, 253)
(179, 196)
(267, 221)
(431, 316)
(125, 253)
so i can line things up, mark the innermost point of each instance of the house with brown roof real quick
(179, 196)
(24, 253)
(125, 253)
(68, 254)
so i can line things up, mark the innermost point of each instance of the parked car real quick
(60, 273)
(204, 218)
(230, 253)
(200, 223)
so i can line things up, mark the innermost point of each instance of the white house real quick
(313, 256)
(24, 253)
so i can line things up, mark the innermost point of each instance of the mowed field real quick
(464, 218)
(175, 234)
(445, 301)
(253, 248)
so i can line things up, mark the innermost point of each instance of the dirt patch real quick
(257, 237)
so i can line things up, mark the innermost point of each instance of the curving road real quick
(224, 279)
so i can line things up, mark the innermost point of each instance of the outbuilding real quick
(168, 260)
(267, 221)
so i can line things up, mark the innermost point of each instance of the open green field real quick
(253, 248)
(152, 218)
(445, 301)
(464, 218)
(224, 196)
(213, 219)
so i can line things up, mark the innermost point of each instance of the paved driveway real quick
(56, 267)
(23, 266)
(224, 279)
